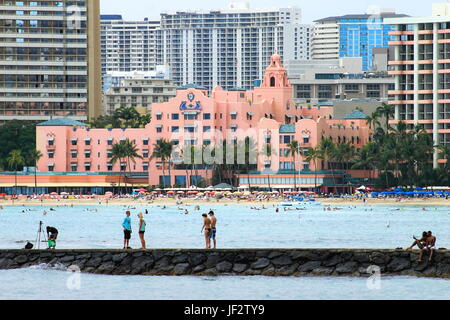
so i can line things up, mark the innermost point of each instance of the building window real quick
(74, 142)
(145, 142)
(206, 116)
(159, 129)
(87, 154)
(74, 167)
(87, 167)
(74, 154)
(206, 129)
(51, 142)
(175, 129)
(51, 155)
(175, 116)
(145, 166)
(233, 115)
(110, 142)
(110, 167)
(159, 116)
(145, 153)
(87, 142)
(272, 81)
(109, 154)
(51, 167)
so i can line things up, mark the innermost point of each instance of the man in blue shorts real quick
(212, 234)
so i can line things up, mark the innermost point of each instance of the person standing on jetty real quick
(142, 225)
(126, 224)
(207, 228)
(212, 235)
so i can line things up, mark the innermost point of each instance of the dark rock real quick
(212, 261)
(138, 254)
(67, 259)
(262, 253)
(94, 262)
(197, 258)
(6, 263)
(162, 263)
(421, 266)
(106, 267)
(21, 259)
(230, 256)
(274, 254)
(161, 254)
(199, 268)
(182, 269)
(268, 272)
(240, 267)
(107, 257)
(142, 264)
(45, 255)
(333, 261)
(361, 257)
(119, 257)
(309, 266)
(398, 264)
(260, 264)
(323, 271)
(430, 271)
(84, 256)
(287, 270)
(210, 272)
(346, 256)
(378, 258)
(180, 258)
(244, 258)
(347, 267)
(282, 261)
(443, 269)
(224, 267)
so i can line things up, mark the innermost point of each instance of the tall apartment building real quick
(422, 71)
(49, 59)
(230, 48)
(349, 36)
(127, 45)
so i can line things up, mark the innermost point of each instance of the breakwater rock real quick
(266, 262)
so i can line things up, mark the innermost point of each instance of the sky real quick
(311, 9)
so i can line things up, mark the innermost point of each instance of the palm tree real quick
(444, 152)
(131, 153)
(162, 149)
(313, 154)
(293, 151)
(373, 120)
(387, 111)
(35, 155)
(326, 148)
(118, 154)
(15, 160)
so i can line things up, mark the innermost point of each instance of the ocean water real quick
(238, 226)
(38, 283)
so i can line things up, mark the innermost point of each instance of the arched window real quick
(272, 81)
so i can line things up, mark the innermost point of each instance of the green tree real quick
(118, 154)
(35, 155)
(15, 160)
(17, 135)
(314, 154)
(131, 153)
(387, 112)
(293, 151)
(162, 150)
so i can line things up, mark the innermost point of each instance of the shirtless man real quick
(207, 228)
(212, 235)
(430, 244)
(420, 243)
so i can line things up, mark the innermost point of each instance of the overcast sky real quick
(312, 9)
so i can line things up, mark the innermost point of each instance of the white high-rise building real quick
(127, 45)
(230, 48)
(325, 40)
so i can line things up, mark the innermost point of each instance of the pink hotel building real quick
(267, 114)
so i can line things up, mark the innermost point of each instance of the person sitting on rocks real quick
(420, 243)
(430, 245)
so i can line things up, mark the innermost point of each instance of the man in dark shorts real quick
(212, 234)
(430, 245)
(127, 230)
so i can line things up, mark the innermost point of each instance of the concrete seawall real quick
(266, 262)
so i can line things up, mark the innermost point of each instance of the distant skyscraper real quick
(127, 45)
(351, 36)
(49, 59)
(230, 48)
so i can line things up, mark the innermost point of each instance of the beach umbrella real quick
(192, 192)
(170, 192)
(180, 192)
(155, 192)
(200, 194)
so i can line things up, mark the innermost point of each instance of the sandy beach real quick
(440, 202)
